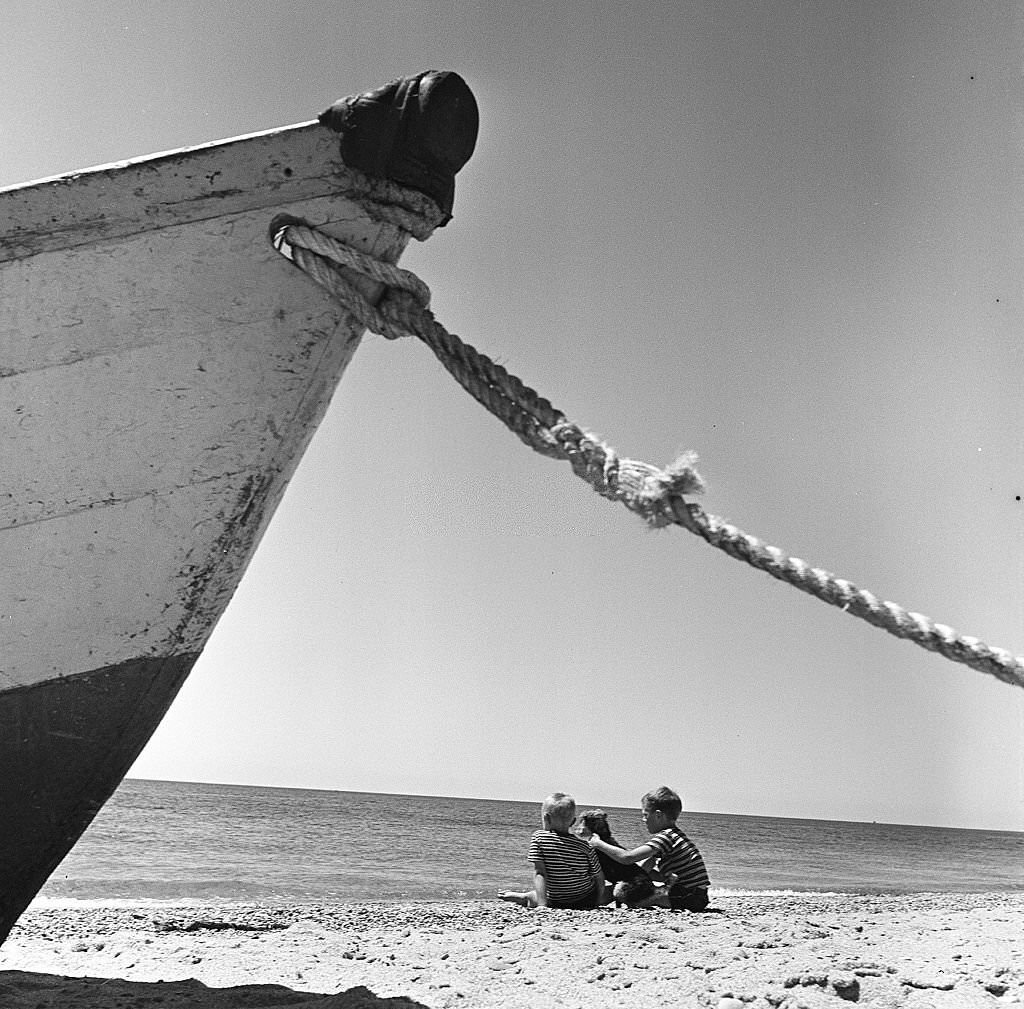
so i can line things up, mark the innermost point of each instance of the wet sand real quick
(923, 950)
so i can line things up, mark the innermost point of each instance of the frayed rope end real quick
(677, 479)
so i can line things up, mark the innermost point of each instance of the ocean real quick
(206, 843)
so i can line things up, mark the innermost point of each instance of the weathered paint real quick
(172, 369)
(265, 169)
(162, 369)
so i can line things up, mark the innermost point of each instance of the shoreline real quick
(763, 950)
(47, 901)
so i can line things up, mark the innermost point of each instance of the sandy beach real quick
(759, 951)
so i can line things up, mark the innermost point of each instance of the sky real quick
(785, 235)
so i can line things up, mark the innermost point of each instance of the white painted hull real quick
(162, 369)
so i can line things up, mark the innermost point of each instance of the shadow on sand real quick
(24, 990)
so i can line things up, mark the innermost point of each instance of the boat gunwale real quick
(285, 165)
(154, 156)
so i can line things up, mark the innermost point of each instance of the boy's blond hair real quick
(559, 810)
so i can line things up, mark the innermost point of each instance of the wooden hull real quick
(162, 369)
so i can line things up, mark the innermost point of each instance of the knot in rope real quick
(657, 495)
(403, 310)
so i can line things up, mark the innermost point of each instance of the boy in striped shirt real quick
(669, 854)
(567, 872)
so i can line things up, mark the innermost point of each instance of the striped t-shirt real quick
(570, 864)
(678, 856)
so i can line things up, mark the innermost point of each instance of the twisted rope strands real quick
(529, 416)
(657, 495)
(637, 485)
(384, 200)
(839, 592)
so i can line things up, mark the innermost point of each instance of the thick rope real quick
(657, 495)
(384, 200)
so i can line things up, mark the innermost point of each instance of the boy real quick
(566, 870)
(670, 853)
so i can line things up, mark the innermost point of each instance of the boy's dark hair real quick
(663, 799)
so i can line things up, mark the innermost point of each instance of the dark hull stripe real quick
(65, 745)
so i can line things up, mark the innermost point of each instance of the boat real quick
(163, 368)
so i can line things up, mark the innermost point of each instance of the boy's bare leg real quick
(525, 898)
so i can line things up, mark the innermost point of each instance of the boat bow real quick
(163, 369)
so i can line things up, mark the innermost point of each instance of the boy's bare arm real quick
(640, 854)
(540, 882)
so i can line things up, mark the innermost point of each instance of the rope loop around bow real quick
(320, 255)
(657, 495)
